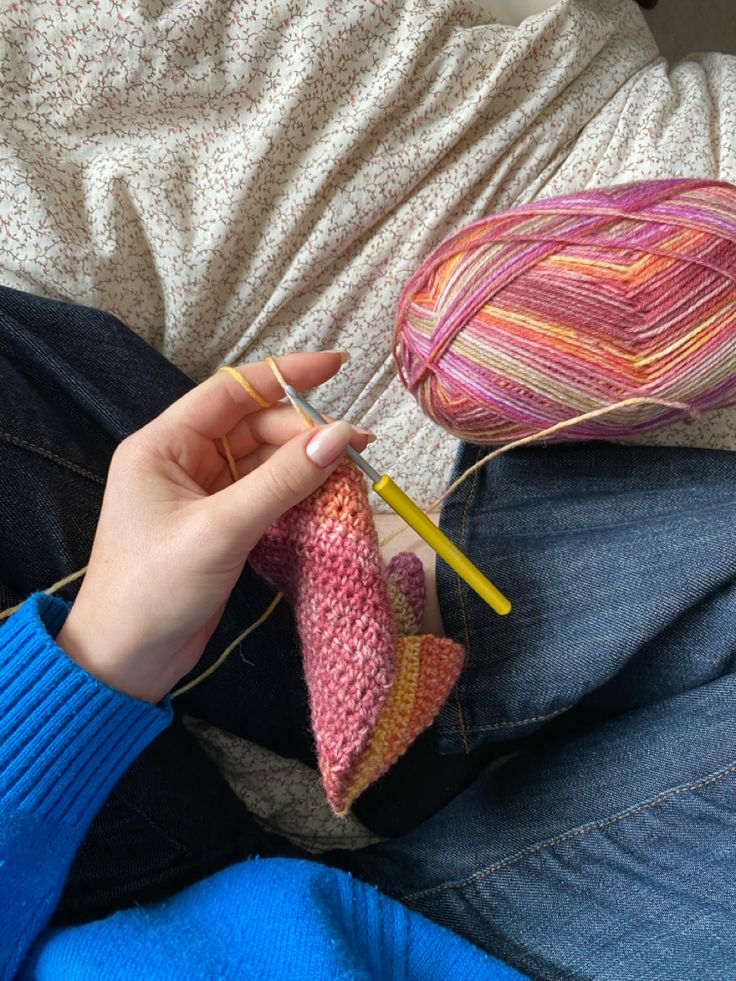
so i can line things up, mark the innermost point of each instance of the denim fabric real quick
(74, 382)
(608, 854)
(169, 822)
(598, 840)
(604, 844)
(619, 562)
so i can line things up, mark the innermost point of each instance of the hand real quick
(174, 530)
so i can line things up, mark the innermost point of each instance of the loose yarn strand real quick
(230, 648)
(72, 577)
(236, 476)
(533, 438)
(244, 383)
(282, 381)
(551, 430)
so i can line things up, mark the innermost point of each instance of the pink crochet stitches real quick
(372, 687)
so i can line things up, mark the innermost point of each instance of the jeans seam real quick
(577, 833)
(466, 633)
(520, 722)
(54, 457)
(152, 824)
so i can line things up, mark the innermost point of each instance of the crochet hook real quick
(413, 515)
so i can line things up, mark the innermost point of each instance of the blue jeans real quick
(73, 383)
(604, 844)
(580, 820)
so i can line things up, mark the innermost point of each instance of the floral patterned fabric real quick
(285, 796)
(237, 178)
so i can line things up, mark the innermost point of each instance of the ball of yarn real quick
(563, 306)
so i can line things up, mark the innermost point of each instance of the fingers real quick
(247, 462)
(216, 406)
(273, 427)
(291, 473)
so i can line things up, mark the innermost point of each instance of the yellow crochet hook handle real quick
(413, 515)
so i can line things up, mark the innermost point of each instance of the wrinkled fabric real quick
(600, 843)
(234, 178)
(620, 563)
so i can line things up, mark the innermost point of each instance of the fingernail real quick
(329, 443)
(365, 432)
(344, 356)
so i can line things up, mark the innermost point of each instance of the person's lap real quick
(75, 382)
(607, 853)
(605, 698)
(620, 563)
(603, 845)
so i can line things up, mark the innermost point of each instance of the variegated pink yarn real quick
(564, 306)
(374, 683)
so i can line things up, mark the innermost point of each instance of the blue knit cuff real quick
(65, 736)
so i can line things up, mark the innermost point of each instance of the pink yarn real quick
(568, 305)
(373, 685)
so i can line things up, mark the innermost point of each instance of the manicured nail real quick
(329, 443)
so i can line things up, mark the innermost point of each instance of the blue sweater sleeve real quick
(65, 739)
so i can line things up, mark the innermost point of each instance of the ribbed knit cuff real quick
(65, 736)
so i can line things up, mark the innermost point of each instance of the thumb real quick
(252, 504)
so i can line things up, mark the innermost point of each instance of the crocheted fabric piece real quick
(374, 684)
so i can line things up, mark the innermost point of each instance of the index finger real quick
(213, 408)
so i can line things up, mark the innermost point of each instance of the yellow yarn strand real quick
(52, 589)
(283, 383)
(230, 459)
(264, 403)
(230, 648)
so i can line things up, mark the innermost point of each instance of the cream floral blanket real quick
(236, 178)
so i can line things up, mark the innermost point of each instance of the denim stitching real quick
(55, 458)
(463, 528)
(521, 722)
(464, 729)
(150, 822)
(576, 833)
